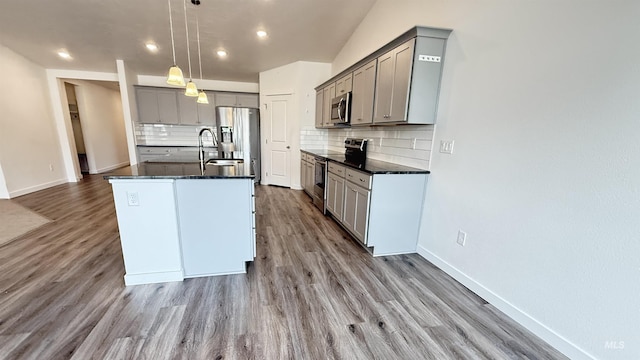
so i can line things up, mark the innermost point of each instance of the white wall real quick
(103, 127)
(4, 193)
(541, 99)
(126, 80)
(299, 79)
(29, 148)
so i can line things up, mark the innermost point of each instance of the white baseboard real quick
(109, 168)
(551, 337)
(153, 278)
(230, 272)
(30, 189)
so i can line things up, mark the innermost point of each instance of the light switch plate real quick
(446, 146)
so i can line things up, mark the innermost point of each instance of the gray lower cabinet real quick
(356, 207)
(154, 153)
(382, 211)
(157, 105)
(303, 174)
(335, 195)
(307, 172)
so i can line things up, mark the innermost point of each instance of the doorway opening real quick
(76, 126)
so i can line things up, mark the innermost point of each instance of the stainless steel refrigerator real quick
(239, 136)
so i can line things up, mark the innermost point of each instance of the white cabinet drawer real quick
(337, 169)
(359, 178)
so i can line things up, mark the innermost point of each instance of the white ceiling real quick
(97, 32)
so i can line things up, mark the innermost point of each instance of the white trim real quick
(35, 188)
(82, 75)
(112, 167)
(206, 84)
(244, 271)
(153, 278)
(554, 339)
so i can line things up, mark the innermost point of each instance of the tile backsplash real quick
(171, 135)
(408, 145)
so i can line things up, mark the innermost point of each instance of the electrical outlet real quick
(50, 167)
(133, 199)
(462, 237)
(446, 146)
(429, 58)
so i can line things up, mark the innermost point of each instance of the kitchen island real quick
(180, 220)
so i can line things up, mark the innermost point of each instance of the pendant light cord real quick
(186, 28)
(198, 37)
(173, 44)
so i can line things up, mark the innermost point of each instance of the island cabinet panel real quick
(217, 232)
(148, 230)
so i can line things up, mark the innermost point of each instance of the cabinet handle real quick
(361, 180)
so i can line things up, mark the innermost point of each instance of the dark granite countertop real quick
(180, 170)
(371, 166)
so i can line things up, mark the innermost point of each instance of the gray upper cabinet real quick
(406, 80)
(206, 112)
(192, 113)
(188, 110)
(393, 82)
(319, 107)
(364, 85)
(157, 105)
(328, 95)
(344, 84)
(239, 100)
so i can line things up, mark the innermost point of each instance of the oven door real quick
(318, 180)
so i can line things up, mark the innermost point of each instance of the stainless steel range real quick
(355, 151)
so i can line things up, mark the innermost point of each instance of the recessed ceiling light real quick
(64, 54)
(222, 53)
(151, 47)
(261, 33)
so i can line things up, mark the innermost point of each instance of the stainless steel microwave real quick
(341, 109)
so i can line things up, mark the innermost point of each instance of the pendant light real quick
(191, 89)
(175, 74)
(202, 96)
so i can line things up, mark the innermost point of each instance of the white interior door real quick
(278, 141)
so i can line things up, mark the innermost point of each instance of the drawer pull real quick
(361, 180)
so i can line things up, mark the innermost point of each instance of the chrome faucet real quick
(201, 146)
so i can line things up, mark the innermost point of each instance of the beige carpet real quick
(16, 220)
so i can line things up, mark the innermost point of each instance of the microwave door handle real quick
(340, 110)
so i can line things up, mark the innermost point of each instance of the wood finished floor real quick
(311, 293)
